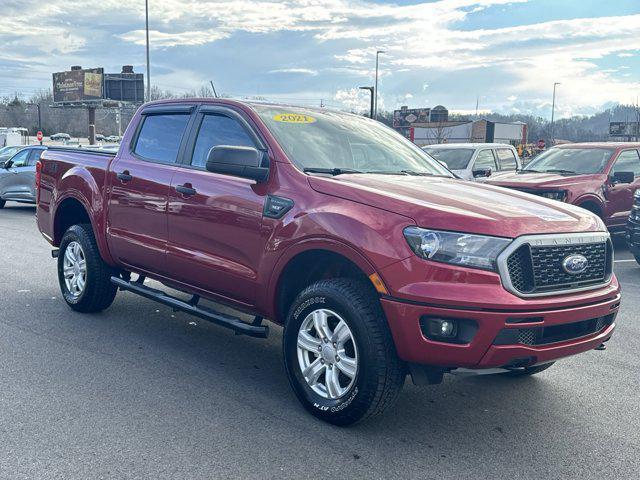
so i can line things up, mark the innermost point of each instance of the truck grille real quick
(536, 268)
(553, 333)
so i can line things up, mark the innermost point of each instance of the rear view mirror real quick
(482, 172)
(245, 162)
(3, 164)
(623, 177)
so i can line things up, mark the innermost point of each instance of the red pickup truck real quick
(600, 177)
(374, 258)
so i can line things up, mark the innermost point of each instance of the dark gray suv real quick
(18, 176)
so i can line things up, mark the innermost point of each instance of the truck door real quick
(139, 180)
(620, 196)
(215, 220)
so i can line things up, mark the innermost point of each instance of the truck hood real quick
(539, 181)
(451, 204)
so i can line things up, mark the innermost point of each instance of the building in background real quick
(406, 117)
(478, 131)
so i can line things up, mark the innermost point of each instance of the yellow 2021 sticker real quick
(294, 118)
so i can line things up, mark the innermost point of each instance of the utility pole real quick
(553, 111)
(375, 104)
(371, 90)
(477, 102)
(146, 17)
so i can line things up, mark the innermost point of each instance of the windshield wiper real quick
(331, 171)
(528, 170)
(561, 170)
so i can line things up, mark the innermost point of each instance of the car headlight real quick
(559, 195)
(466, 250)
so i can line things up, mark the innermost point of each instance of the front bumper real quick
(483, 350)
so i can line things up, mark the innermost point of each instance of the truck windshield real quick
(580, 161)
(343, 143)
(455, 158)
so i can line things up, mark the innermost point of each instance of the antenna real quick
(215, 94)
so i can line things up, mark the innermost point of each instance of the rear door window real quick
(36, 153)
(218, 130)
(506, 159)
(160, 137)
(485, 159)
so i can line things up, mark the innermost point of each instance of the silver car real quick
(18, 176)
(476, 161)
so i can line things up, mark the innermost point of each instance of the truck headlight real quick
(636, 194)
(559, 195)
(466, 250)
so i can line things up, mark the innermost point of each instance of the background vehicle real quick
(60, 136)
(17, 176)
(600, 177)
(476, 160)
(375, 260)
(113, 138)
(7, 152)
(633, 227)
(100, 137)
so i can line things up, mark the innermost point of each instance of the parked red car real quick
(600, 177)
(376, 261)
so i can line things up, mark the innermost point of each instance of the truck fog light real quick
(443, 328)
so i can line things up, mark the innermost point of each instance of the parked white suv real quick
(473, 161)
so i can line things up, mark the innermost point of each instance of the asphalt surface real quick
(141, 392)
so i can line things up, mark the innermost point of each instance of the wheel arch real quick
(310, 261)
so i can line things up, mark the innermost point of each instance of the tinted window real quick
(160, 137)
(506, 159)
(455, 159)
(36, 153)
(485, 160)
(218, 130)
(20, 159)
(628, 161)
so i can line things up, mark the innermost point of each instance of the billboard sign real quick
(78, 86)
(624, 129)
(405, 117)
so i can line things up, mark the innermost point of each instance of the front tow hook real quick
(602, 346)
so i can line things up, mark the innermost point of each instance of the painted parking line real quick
(624, 261)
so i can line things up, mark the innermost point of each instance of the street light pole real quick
(375, 106)
(371, 90)
(146, 16)
(37, 105)
(553, 111)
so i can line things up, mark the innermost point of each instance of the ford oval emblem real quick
(575, 264)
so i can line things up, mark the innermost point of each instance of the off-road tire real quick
(380, 375)
(526, 371)
(99, 292)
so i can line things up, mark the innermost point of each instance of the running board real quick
(191, 307)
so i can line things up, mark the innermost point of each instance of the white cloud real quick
(304, 71)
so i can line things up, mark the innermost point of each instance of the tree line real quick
(20, 111)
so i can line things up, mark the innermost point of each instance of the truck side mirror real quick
(623, 177)
(245, 162)
(482, 172)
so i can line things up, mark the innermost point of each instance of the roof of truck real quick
(600, 145)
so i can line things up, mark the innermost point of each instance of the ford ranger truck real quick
(600, 177)
(377, 262)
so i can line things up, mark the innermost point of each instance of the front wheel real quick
(2, 203)
(85, 279)
(339, 354)
(637, 257)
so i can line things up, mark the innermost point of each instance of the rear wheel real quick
(2, 203)
(339, 354)
(522, 372)
(85, 279)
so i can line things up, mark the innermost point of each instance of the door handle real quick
(124, 176)
(186, 189)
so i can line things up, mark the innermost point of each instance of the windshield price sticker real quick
(293, 118)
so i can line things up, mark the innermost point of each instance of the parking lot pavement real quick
(141, 392)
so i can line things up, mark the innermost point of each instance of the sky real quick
(504, 55)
